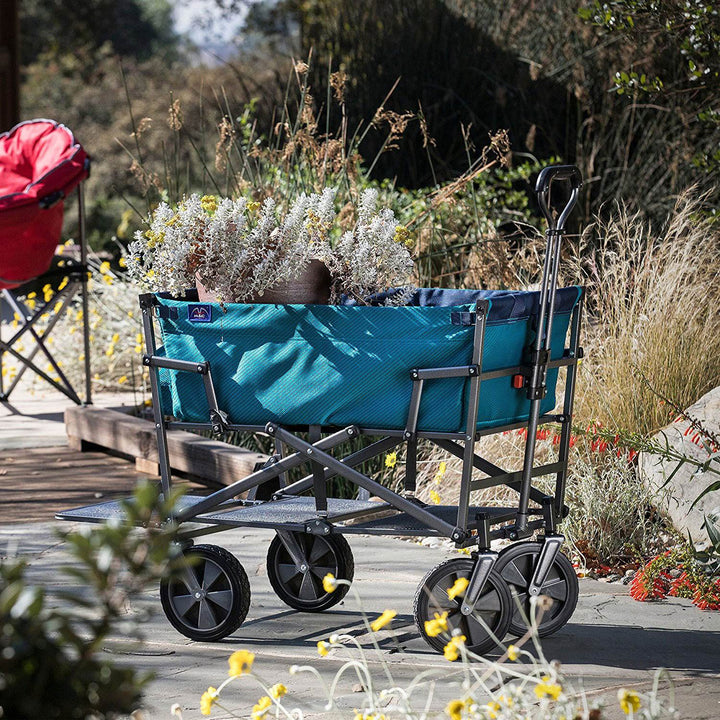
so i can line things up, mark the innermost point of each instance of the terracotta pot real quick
(311, 287)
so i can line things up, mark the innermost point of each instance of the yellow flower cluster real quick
(404, 236)
(437, 625)
(209, 697)
(323, 648)
(513, 652)
(545, 688)
(452, 650)
(458, 587)
(391, 460)
(261, 707)
(329, 583)
(454, 709)
(277, 691)
(154, 238)
(629, 701)
(209, 204)
(316, 227)
(435, 497)
(383, 620)
(240, 663)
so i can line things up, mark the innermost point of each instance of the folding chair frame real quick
(76, 274)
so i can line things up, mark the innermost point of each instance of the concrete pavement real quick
(611, 641)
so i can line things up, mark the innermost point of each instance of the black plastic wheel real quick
(211, 598)
(301, 586)
(491, 616)
(517, 564)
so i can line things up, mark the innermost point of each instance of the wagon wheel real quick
(516, 564)
(491, 616)
(211, 598)
(300, 584)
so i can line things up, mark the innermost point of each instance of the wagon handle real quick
(543, 186)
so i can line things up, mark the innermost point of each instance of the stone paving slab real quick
(33, 419)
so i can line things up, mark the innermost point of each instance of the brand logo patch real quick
(200, 313)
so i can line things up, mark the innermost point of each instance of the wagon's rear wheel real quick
(516, 564)
(488, 623)
(298, 580)
(211, 597)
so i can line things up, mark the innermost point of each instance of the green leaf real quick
(710, 488)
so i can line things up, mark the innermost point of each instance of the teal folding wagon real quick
(447, 368)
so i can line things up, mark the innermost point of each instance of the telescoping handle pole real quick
(556, 219)
(556, 227)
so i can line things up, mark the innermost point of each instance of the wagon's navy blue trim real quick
(504, 304)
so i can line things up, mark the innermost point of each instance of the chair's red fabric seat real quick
(40, 163)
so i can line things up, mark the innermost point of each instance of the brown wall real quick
(9, 76)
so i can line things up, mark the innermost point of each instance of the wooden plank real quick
(43, 481)
(210, 460)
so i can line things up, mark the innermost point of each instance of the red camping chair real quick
(40, 164)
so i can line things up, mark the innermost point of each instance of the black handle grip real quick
(556, 217)
(558, 172)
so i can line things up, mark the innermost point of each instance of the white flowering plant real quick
(239, 249)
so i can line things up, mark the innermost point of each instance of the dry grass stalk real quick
(653, 301)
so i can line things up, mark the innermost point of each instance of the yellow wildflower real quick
(629, 701)
(403, 235)
(110, 351)
(454, 709)
(451, 650)
(544, 688)
(278, 690)
(130, 314)
(441, 472)
(31, 295)
(108, 279)
(139, 338)
(115, 337)
(240, 662)
(57, 307)
(435, 497)
(62, 285)
(208, 698)
(30, 302)
(437, 625)
(458, 588)
(513, 652)
(391, 460)
(323, 648)
(492, 709)
(383, 620)
(505, 700)
(252, 206)
(104, 267)
(261, 707)
(122, 262)
(209, 204)
(329, 583)
(122, 379)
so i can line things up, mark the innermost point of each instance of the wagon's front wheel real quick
(210, 598)
(484, 628)
(297, 563)
(517, 564)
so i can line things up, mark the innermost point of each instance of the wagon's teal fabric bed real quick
(339, 365)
